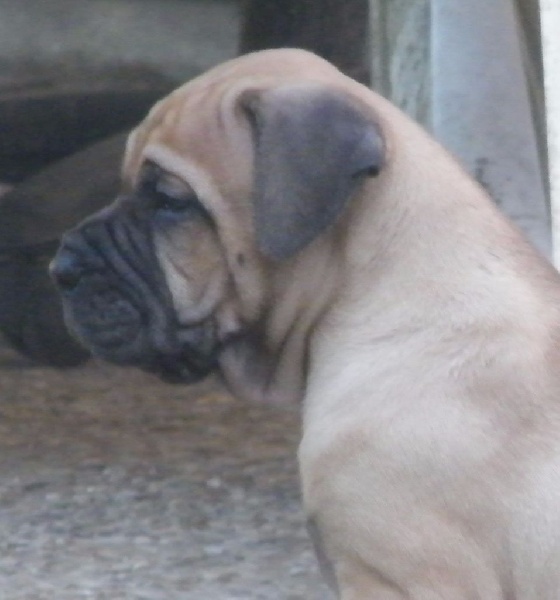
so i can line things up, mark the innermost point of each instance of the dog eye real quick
(165, 199)
(172, 204)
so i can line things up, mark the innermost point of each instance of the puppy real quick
(287, 227)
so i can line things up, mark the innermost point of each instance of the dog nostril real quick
(66, 271)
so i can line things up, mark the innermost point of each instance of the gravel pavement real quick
(116, 486)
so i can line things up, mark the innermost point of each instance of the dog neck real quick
(431, 263)
(269, 361)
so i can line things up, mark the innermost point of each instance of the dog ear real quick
(313, 147)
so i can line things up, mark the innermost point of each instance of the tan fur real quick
(421, 332)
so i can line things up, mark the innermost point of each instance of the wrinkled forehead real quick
(185, 123)
(194, 135)
(197, 125)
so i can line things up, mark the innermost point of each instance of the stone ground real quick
(116, 486)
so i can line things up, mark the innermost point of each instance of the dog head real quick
(227, 185)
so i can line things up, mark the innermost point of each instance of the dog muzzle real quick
(117, 303)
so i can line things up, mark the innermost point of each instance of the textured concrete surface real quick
(114, 485)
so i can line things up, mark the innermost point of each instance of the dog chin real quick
(181, 366)
(174, 361)
(178, 368)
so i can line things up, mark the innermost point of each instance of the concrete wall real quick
(69, 39)
(400, 54)
(471, 73)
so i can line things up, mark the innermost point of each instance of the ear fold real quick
(313, 147)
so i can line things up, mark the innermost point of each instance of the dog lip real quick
(176, 354)
(179, 373)
(110, 340)
(184, 366)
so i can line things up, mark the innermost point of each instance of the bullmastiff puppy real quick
(285, 226)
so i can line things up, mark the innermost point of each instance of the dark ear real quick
(313, 147)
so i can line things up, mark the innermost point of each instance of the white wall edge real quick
(550, 34)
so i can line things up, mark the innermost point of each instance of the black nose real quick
(66, 270)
